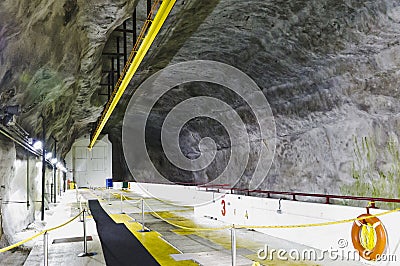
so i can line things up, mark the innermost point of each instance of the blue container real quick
(109, 183)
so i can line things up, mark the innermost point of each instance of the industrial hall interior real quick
(199, 132)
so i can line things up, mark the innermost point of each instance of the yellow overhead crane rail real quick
(152, 26)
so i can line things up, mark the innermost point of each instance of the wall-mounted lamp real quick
(53, 160)
(38, 145)
(48, 155)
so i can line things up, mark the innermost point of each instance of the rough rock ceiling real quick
(329, 69)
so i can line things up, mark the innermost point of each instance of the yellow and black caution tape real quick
(38, 234)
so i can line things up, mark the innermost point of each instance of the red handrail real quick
(248, 192)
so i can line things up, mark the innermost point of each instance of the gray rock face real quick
(329, 69)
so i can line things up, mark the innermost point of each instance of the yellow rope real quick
(270, 226)
(316, 224)
(38, 234)
(21, 242)
(64, 224)
(184, 227)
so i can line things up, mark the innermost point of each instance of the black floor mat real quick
(120, 247)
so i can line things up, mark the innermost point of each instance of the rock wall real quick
(329, 69)
(16, 214)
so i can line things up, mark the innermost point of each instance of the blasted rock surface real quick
(328, 68)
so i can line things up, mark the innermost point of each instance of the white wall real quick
(247, 210)
(90, 167)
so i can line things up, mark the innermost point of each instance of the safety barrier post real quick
(143, 228)
(76, 189)
(233, 242)
(109, 197)
(81, 219)
(45, 248)
(121, 204)
(85, 253)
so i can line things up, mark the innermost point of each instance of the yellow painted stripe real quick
(155, 27)
(152, 241)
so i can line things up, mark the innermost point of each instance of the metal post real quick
(51, 190)
(143, 228)
(85, 253)
(109, 85)
(109, 197)
(148, 7)
(118, 57)
(121, 204)
(233, 242)
(125, 44)
(45, 248)
(43, 165)
(54, 171)
(134, 27)
(27, 182)
(82, 219)
(143, 215)
(76, 189)
(112, 70)
(84, 232)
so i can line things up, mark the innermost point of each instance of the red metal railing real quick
(293, 195)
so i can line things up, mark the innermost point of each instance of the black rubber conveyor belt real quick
(120, 246)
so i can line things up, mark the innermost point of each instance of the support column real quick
(43, 165)
(118, 63)
(134, 36)
(54, 172)
(27, 182)
(125, 43)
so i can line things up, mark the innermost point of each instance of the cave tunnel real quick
(190, 132)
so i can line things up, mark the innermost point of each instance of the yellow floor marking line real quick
(152, 241)
(223, 239)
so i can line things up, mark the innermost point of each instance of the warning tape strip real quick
(38, 234)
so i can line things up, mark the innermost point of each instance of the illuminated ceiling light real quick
(59, 165)
(48, 155)
(38, 145)
(53, 160)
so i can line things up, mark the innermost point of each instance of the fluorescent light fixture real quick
(48, 155)
(38, 145)
(53, 160)
(59, 165)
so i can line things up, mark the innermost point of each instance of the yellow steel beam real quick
(155, 27)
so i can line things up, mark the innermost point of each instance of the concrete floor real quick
(201, 247)
(67, 253)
